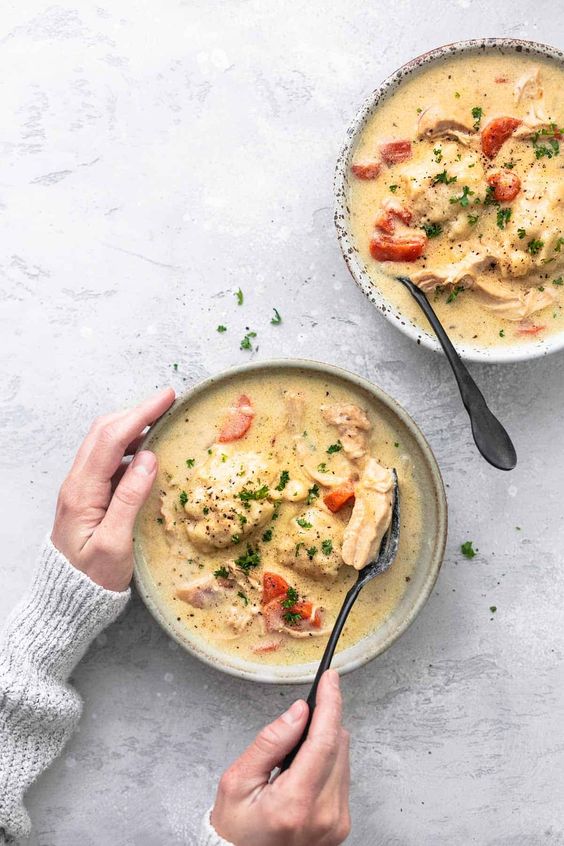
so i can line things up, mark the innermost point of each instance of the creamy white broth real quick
(459, 85)
(173, 560)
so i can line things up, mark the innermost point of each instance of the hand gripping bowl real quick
(531, 346)
(434, 518)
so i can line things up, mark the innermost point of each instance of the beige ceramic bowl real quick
(425, 572)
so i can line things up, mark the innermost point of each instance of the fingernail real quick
(333, 678)
(294, 713)
(144, 463)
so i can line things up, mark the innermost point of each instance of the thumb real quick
(271, 746)
(130, 494)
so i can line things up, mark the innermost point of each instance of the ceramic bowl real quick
(426, 569)
(526, 349)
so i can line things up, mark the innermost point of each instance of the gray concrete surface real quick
(155, 156)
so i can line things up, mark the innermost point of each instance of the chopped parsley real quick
(303, 523)
(438, 154)
(205, 509)
(558, 245)
(322, 467)
(221, 573)
(250, 559)
(493, 608)
(443, 178)
(457, 95)
(552, 148)
(522, 233)
(313, 493)
(393, 188)
(292, 617)
(292, 597)
(463, 199)
(277, 319)
(246, 343)
(477, 113)
(160, 520)
(454, 293)
(327, 546)
(502, 333)
(534, 246)
(284, 479)
(559, 281)
(473, 219)
(297, 549)
(221, 328)
(509, 165)
(467, 549)
(190, 462)
(175, 366)
(243, 596)
(432, 230)
(489, 199)
(247, 495)
(242, 519)
(311, 552)
(235, 538)
(183, 497)
(267, 536)
(503, 217)
(334, 448)
(239, 296)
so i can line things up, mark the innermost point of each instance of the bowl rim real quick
(300, 673)
(499, 355)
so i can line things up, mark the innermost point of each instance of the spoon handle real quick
(324, 664)
(490, 437)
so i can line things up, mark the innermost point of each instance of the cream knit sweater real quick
(44, 638)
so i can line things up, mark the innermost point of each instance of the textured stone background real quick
(156, 155)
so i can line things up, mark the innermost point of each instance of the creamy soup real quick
(457, 182)
(270, 497)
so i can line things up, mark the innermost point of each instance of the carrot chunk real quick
(238, 422)
(366, 170)
(506, 186)
(392, 209)
(405, 248)
(273, 587)
(339, 497)
(496, 133)
(306, 612)
(393, 152)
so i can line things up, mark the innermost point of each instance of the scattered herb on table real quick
(221, 328)
(239, 296)
(467, 549)
(277, 319)
(246, 343)
(493, 608)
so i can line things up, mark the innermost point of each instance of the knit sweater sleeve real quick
(44, 638)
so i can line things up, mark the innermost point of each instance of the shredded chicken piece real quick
(529, 86)
(295, 411)
(434, 123)
(202, 592)
(352, 425)
(238, 618)
(512, 305)
(430, 200)
(370, 516)
(462, 273)
(534, 121)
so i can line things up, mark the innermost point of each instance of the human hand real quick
(101, 496)
(308, 803)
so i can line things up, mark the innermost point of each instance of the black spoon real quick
(491, 438)
(386, 555)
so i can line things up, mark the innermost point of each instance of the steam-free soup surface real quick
(457, 181)
(265, 488)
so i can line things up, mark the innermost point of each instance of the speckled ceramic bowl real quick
(527, 349)
(425, 572)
